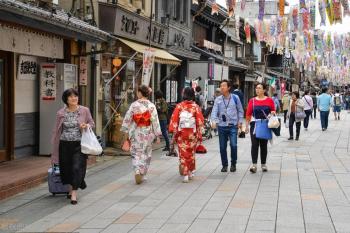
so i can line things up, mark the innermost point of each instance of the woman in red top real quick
(186, 125)
(258, 108)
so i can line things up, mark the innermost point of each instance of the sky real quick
(339, 28)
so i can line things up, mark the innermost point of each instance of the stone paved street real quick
(307, 189)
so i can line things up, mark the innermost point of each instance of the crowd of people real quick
(145, 122)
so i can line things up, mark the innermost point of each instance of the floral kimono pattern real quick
(187, 139)
(142, 124)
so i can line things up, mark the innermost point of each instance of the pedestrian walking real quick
(186, 124)
(276, 102)
(296, 114)
(142, 126)
(308, 107)
(71, 120)
(259, 108)
(238, 92)
(162, 109)
(199, 98)
(337, 104)
(285, 105)
(227, 116)
(324, 103)
(314, 101)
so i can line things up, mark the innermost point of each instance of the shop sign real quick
(148, 61)
(27, 68)
(136, 27)
(23, 41)
(210, 45)
(83, 71)
(48, 85)
(180, 40)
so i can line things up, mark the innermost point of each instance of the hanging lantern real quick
(117, 62)
(295, 15)
(313, 15)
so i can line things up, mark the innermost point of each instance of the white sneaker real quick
(185, 179)
(190, 175)
(144, 178)
(264, 167)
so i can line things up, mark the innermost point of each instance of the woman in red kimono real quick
(186, 125)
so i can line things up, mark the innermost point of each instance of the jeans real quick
(163, 127)
(324, 119)
(315, 111)
(307, 118)
(256, 143)
(285, 116)
(291, 124)
(228, 133)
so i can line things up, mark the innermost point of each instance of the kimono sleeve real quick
(155, 121)
(174, 121)
(127, 122)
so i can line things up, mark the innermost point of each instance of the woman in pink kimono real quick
(142, 124)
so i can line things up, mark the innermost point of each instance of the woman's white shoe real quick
(185, 179)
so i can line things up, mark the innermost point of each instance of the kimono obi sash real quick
(142, 119)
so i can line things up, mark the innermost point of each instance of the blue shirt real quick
(228, 108)
(324, 102)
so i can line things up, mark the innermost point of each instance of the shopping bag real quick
(277, 131)
(126, 145)
(300, 115)
(89, 143)
(262, 130)
(201, 149)
(274, 122)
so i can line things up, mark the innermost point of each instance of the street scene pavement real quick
(307, 189)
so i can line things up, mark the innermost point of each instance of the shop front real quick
(123, 66)
(28, 40)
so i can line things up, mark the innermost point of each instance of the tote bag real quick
(262, 130)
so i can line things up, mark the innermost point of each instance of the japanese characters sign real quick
(83, 72)
(48, 85)
(148, 61)
(27, 68)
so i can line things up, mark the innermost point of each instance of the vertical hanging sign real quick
(83, 71)
(281, 7)
(261, 9)
(231, 5)
(148, 61)
(48, 79)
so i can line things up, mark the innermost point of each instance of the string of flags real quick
(295, 34)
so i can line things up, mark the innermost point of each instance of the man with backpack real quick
(238, 93)
(227, 116)
(337, 103)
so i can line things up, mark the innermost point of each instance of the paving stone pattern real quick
(307, 189)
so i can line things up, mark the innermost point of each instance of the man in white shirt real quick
(309, 104)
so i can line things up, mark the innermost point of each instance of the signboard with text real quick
(48, 86)
(148, 61)
(27, 68)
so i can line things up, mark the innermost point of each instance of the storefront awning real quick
(278, 74)
(161, 56)
(261, 74)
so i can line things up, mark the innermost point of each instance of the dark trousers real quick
(285, 116)
(228, 133)
(164, 129)
(324, 119)
(315, 112)
(307, 118)
(256, 143)
(72, 164)
(291, 124)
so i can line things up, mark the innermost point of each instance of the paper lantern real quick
(117, 62)
(337, 14)
(322, 10)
